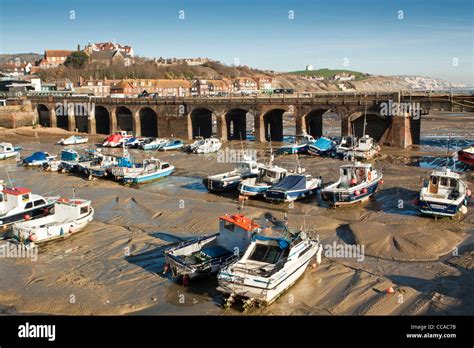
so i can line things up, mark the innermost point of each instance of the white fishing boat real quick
(150, 169)
(193, 146)
(248, 168)
(271, 265)
(19, 204)
(7, 150)
(345, 144)
(208, 254)
(154, 144)
(68, 217)
(293, 187)
(73, 140)
(268, 176)
(357, 183)
(444, 194)
(365, 149)
(208, 145)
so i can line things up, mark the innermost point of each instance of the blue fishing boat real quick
(357, 183)
(151, 169)
(38, 158)
(444, 194)
(293, 187)
(322, 147)
(300, 144)
(172, 144)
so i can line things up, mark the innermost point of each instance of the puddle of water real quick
(441, 143)
(175, 182)
(432, 162)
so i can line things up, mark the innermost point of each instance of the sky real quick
(388, 37)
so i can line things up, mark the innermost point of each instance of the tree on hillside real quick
(77, 59)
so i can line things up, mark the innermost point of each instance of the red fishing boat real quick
(467, 156)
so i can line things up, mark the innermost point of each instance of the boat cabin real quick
(18, 197)
(6, 147)
(236, 231)
(365, 143)
(444, 183)
(354, 174)
(71, 208)
(272, 175)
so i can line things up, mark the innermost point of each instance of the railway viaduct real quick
(391, 118)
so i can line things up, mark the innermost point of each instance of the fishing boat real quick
(172, 144)
(150, 169)
(117, 139)
(67, 217)
(321, 147)
(293, 187)
(248, 168)
(193, 146)
(208, 254)
(357, 183)
(270, 266)
(154, 144)
(19, 204)
(300, 144)
(37, 159)
(345, 144)
(208, 145)
(67, 157)
(7, 150)
(73, 140)
(268, 176)
(444, 194)
(467, 156)
(365, 149)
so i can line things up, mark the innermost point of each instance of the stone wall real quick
(13, 116)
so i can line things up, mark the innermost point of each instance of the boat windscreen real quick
(291, 182)
(266, 253)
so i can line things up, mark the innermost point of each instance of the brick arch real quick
(201, 121)
(376, 124)
(148, 122)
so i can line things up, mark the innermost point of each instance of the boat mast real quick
(365, 119)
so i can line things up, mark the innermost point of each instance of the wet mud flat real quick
(115, 266)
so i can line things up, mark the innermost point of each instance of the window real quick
(29, 205)
(229, 225)
(265, 253)
(434, 180)
(25, 197)
(444, 181)
(1, 198)
(84, 210)
(454, 183)
(39, 202)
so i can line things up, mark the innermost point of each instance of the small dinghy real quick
(209, 145)
(7, 150)
(300, 144)
(150, 169)
(73, 140)
(208, 254)
(19, 204)
(37, 159)
(293, 187)
(172, 144)
(271, 265)
(67, 217)
(268, 176)
(466, 156)
(357, 182)
(154, 144)
(321, 147)
(248, 168)
(444, 194)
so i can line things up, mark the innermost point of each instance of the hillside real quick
(327, 73)
(28, 57)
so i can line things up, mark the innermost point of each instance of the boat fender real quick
(381, 182)
(353, 181)
(26, 217)
(356, 193)
(33, 237)
(45, 211)
(166, 268)
(463, 209)
(469, 192)
(369, 175)
(318, 256)
(364, 190)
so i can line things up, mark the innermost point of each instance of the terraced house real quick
(161, 88)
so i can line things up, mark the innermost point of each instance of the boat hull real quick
(253, 190)
(147, 177)
(294, 149)
(338, 198)
(216, 185)
(6, 155)
(466, 157)
(289, 196)
(433, 208)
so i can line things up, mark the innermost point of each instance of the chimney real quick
(78, 47)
